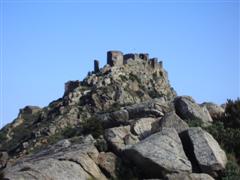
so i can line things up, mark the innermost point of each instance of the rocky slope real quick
(123, 121)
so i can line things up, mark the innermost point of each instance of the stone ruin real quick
(70, 85)
(117, 58)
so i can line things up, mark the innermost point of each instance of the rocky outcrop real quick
(214, 110)
(152, 108)
(110, 164)
(3, 159)
(155, 108)
(172, 120)
(119, 137)
(145, 126)
(204, 150)
(186, 176)
(122, 90)
(188, 109)
(61, 161)
(139, 127)
(159, 154)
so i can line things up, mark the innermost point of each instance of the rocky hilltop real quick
(123, 121)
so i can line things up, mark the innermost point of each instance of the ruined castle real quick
(117, 58)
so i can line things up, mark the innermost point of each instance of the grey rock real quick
(207, 152)
(109, 162)
(172, 120)
(214, 110)
(145, 126)
(25, 145)
(186, 176)
(119, 137)
(3, 159)
(154, 108)
(120, 116)
(30, 110)
(106, 69)
(70, 86)
(159, 153)
(187, 108)
(150, 108)
(60, 161)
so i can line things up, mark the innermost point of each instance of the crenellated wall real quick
(117, 59)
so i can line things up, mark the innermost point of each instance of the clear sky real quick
(46, 43)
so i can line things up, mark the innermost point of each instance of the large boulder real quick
(172, 120)
(188, 109)
(151, 108)
(145, 126)
(115, 118)
(109, 163)
(204, 150)
(159, 154)
(61, 161)
(119, 137)
(186, 176)
(215, 110)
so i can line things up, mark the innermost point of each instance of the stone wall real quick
(117, 58)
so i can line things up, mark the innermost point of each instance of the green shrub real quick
(194, 123)
(232, 171)
(226, 130)
(69, 132)
(3, 136)
(134, 77)
(92, 126)
(123, 78)
(231, 118)
(228, 138)
(1, 175)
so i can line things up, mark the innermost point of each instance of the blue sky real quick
(46, 43)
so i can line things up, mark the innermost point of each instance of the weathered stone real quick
(152, 108)
(145, 126)
(172, 120)
(3, 159)
(132, 56)
(205, 150)
(101, 144)
(25, 145)
(214, 110)
(47, 169)
(70, 86)
(61, 161)
(159, 154)
(144, 56)
(106, 69)
(187, 108)
(120, 117)
(119, 137)
(30, 110)
(114, 58)
(154, 62)
(109, 162)
(186, 176)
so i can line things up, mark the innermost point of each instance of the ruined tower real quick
(115, 58)
(96, 66)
